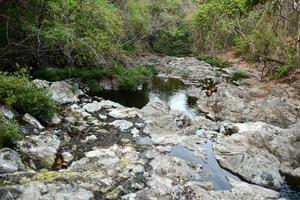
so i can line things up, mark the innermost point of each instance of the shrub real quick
(175, 41)
(19, 92)
(69, 32)
(9, 133)
(129, 77)
(214, 61)
(238, 75)
(214, 26)
(259, 43)
(281, 71)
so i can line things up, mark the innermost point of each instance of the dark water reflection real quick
(291, 190)
(165, 88)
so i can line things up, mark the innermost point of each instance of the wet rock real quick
(62, 92)
(33, 121)
(38, 190)
(10, 161)
(122, 124)
(40, 149)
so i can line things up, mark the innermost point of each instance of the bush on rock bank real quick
(18, 91)
(127, 78)
(9, 132)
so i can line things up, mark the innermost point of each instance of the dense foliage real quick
(19, 92)
(262, 30)
(127, 78)
(9, 132)
(102, 33)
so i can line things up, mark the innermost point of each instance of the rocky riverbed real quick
(239, 140)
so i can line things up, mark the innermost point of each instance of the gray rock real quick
(7, 112)
(103, 117)
(96, 106)
(10, 161)
(93, 107)
(241, 190)
(55, 120)
(175, 167)
(93, 160)
(122, 124)
(254, 163)
(43, 84)
(6, 194)
(62, 92)
(90, 138)
(135, 132)
(123, 112)
(155, 108)
(33, 121)
(285, 114)
(67, 156)
(38, 190)
(131, 196)
(41, 149)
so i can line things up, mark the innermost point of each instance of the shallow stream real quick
(172, 91)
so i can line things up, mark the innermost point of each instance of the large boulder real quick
(40, 149)
(257, 153)
(62, 92)
(10, 161)
(276, 108)
(226, 104)
(155, 108)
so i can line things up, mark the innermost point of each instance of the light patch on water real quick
(179, 102)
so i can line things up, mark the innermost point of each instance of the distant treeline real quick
(59, 33)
